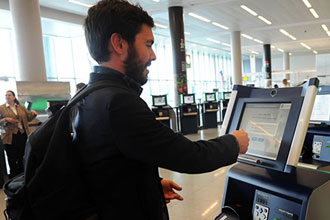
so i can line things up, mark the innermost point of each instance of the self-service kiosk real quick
(266, 184)
(161, 109)
(188, 114)
(317, 141)
(210, 111)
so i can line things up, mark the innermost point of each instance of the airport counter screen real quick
(265, 124)
(321, 109)
(188, 99)
(210, 97)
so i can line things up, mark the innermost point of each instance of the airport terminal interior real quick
(258, 65)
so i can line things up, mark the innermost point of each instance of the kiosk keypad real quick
(260, 212)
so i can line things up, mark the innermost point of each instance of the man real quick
(120, 143)
(285, 83)
(79, 86)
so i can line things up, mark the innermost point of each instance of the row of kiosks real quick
(266, 183)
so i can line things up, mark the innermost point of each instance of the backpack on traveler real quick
(51, 186)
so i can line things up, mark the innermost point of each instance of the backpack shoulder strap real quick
(86, 90)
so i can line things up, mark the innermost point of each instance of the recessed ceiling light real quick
(279, 49)
(314, 51)
(187, 33)
(214, 41)
(328, 32)
(156, 0)
(306, 46)
(220, 25)
(272, 46)
(203, 47)
(249, 10)
(160, 26)
(254, 52)
(292, 37)
(258, 41)
(306, 2)
(214, 49)
(265, 20)
(284, 32)
(194, 45)
(199, 17)
(247, 36)
(290, 54)
(225, 44)
(314, 13)
(80, 3)
(325, 28)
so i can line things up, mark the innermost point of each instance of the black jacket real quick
(121, 145)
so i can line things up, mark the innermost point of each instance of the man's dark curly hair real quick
(112, 16)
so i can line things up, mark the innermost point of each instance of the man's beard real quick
(134, 67)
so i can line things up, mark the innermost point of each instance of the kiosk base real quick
(259, 193)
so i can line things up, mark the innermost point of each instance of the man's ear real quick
(118, 44)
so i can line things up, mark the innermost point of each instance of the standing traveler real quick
(14, 118)
(120, 143)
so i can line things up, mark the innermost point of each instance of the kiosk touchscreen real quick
(210, 97)
(159, 100)
(188, 99)
(266, 184)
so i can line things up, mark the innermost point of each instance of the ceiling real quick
(291, 15)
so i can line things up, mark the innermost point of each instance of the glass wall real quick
(67, 59)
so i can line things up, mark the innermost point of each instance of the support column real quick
(236, 57)
(286, 65)
(267, 65)
(175, 14)
(28, 35)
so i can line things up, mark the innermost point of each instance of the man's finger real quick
(175, 186)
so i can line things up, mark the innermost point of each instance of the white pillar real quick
(286, 64)
(236, 57)
(28, 35)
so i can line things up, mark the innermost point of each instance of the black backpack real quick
(51, 186)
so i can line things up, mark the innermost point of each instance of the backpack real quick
(51, 186)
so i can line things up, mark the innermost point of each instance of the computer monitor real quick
(210, 97)
(265, 124)
(28, 105)
(188, 99)
(271, 119)
(321, 109)
(159, 100)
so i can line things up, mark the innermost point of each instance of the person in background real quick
(79, 86)
(120, 143)
(275, 86)
(285, 83)
(14, 117)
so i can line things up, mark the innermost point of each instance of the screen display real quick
(188, 99)
(265, 124)
(227, 95)
(321, 109)
(159, 100)
(210, 97)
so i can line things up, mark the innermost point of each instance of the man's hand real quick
(11, 120)
(169, 194)
(34, 113)
(243, 140)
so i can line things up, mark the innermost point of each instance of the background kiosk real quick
(188, 114)
(317, 142)
(266, 184)
(210, 110)
(161, 109)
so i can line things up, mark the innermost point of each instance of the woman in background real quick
(14, 117)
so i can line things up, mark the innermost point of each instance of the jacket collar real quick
(105, 73)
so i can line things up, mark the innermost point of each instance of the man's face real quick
(140, 55)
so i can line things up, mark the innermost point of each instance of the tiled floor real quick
(202, 193)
